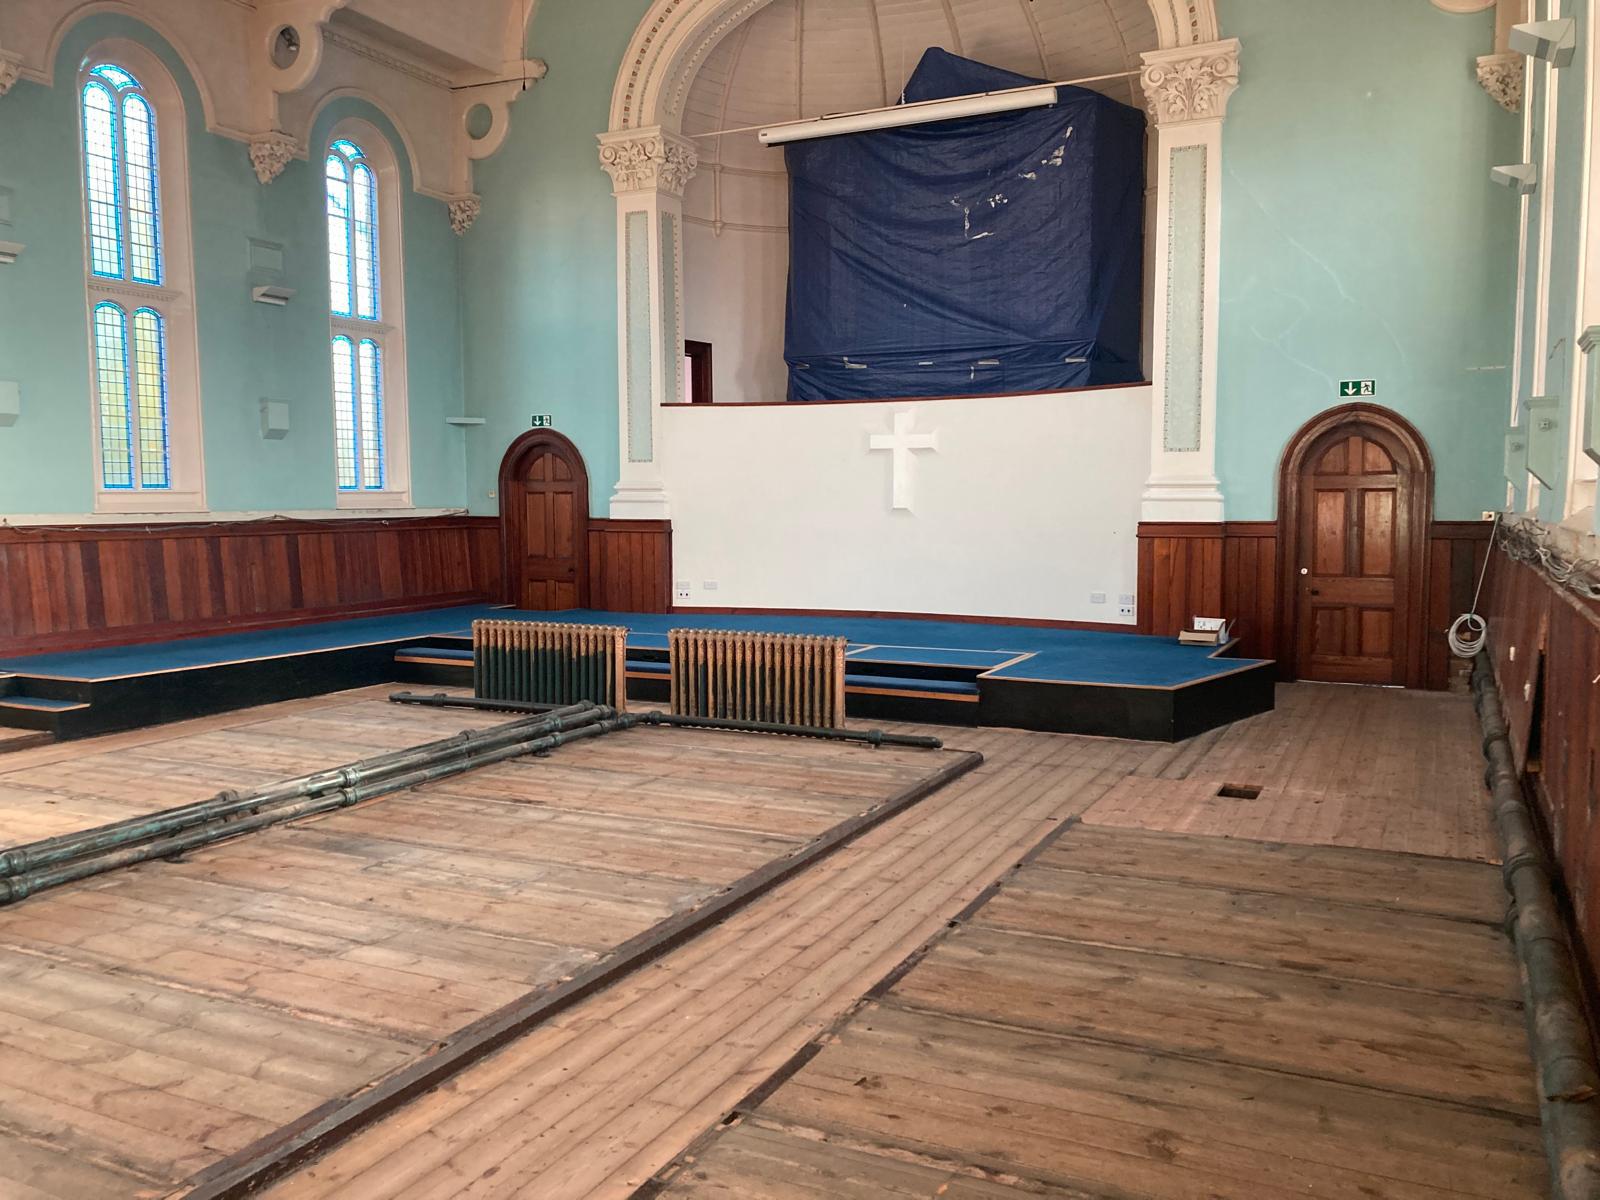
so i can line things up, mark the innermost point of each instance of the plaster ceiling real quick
(453, 37)
(804, 58)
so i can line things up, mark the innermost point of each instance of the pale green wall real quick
(247, 350)
(540, 303)
(1362, 238)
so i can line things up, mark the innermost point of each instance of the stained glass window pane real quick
(150, 398)
(338, 180)
(114, 75)
(344, 414)
(111, 379)
(139, 145)
(365, 204)
(371, 366)
(102, 181)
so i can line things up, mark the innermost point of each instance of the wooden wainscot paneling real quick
(1456, 551)
(68, 588)
(1211, 568)
(1232, 569)
(1545, 647)
(630, 565)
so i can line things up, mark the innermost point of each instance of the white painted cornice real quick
(247, 97)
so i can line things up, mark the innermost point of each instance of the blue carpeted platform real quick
(1011, 652)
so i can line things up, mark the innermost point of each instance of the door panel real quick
(547, 517)
(1377, 532)
(1352, 559)
(1329, 546)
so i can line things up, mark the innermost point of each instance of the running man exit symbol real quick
(1358, 387)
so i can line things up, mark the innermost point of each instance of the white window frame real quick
(389, 330)
(173, 300)
(1583, 473)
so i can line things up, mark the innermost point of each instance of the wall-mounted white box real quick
(274, 420)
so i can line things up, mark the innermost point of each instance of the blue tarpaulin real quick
(984, 255)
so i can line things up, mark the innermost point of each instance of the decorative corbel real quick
(270, 154)
(464, 211)
(1501, 75)
(10, 70)
(1502, 72)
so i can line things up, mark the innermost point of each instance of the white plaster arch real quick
(675, 36)
(366, 130)
(40, 66)
(1186, 84)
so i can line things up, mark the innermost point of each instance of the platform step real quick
(41, 704)
(439, 656)
(955, 689)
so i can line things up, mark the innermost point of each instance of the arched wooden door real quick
(544, 521)
(1355, 506)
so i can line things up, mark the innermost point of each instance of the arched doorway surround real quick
(544, 523)
(1186, 82)
(1355, 505)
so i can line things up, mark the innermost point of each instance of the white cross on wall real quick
(901, 444)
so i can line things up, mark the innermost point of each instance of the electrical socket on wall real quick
(710, 585)
(1097, 597)
(681, 590)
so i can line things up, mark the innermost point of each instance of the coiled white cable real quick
(1466, 635)
(1468, 631)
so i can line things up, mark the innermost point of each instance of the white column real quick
(649, 169)
(1187, 92)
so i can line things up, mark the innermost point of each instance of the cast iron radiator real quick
(787, 678)
(549, 663)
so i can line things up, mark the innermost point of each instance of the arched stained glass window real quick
(358, 413)
(352, 232)
(131, 383)
(130, 300)
(121, 177)
(354, 303)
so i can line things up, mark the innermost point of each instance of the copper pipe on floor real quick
(1558, 1029)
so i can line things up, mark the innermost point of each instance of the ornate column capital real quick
(270, 154)
(1190, 83)
(1501, 76)
(648, 160)
(464, 211)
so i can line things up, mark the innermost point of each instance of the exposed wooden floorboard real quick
(1343, 766)
(1209, 1015)
(158, 1018)
(1018, 1058)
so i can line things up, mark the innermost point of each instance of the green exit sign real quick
(1358, 387)
(543, 421)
